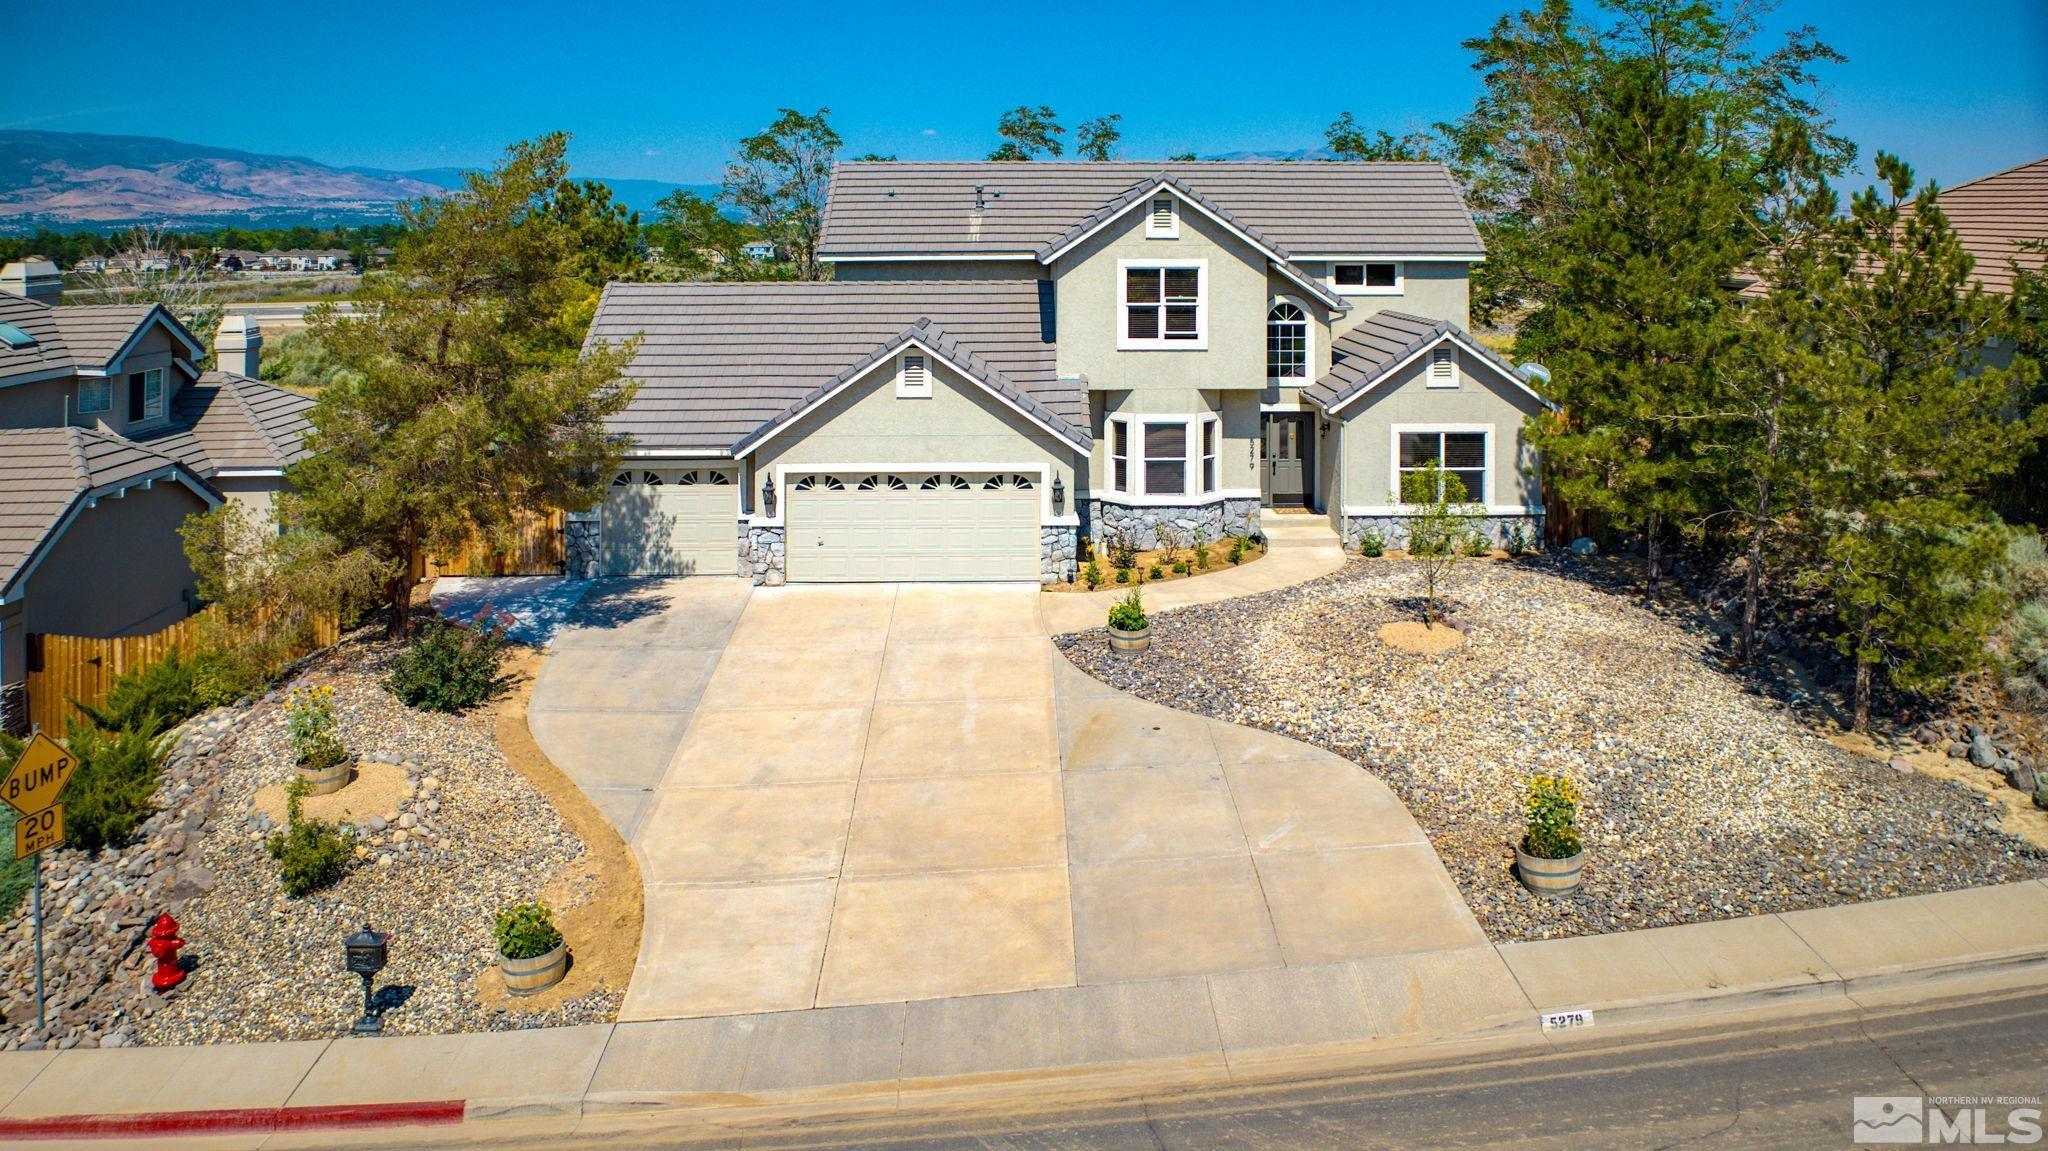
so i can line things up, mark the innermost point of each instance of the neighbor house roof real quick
(232, 423)
(48, 355)
(880, 208)
(79, 337)
(47, 472)
(1995, 215)
(718, 362)
(1381, 343)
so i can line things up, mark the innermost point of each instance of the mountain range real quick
(71, 180)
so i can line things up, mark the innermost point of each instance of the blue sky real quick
(662, 91)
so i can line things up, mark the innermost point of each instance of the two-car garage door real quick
(671, 522)
(912, 526)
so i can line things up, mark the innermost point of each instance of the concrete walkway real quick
(1302, 548)
(1193, 1031)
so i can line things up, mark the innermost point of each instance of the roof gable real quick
(49, 473)
(1386, 342)
(226, 422)
(987, 209)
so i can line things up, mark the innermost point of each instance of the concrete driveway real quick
(880, 794)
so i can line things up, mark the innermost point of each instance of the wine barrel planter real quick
(532, 976)
(1549, 876)
(328, 780)
(1131, 642)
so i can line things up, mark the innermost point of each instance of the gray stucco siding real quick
(118, 569)
(1437, 289)
(1481, 401)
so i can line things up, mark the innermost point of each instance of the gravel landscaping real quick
(1705, 797)
(465, 836)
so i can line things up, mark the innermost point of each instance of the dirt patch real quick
(1219, 561)
(2020, 818)
(376, 790)
(597, 899)
(1419, 638)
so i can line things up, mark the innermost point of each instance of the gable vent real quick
(914, 372)
(1443, 365)
(1162, 214)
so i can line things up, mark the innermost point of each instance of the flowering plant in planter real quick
(1128, 613)
(309, 716)
(1552, 818)
(527, 931)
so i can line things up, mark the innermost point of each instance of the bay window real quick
(1177, 456)
(1166, 459)
(1119, 456)
(1208, 455)
(1163, 305)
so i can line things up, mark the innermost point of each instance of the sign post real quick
(31, 789)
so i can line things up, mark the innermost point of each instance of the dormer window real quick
(914, 378)
(146, 395)
(1368, 279)
(1161, 221)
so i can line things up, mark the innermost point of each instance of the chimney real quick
(36, 280)
(238, 346)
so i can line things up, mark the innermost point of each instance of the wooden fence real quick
(62, 668)
(538, 552)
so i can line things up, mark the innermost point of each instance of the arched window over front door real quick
(1287, 341)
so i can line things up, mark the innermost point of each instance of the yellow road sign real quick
(32, 833)
(40, 773)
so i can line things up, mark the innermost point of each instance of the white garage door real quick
(669, 522)
(970, 526)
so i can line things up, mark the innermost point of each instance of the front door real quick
(1284, 468)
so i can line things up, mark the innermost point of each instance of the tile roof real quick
(1363, 356)
(233, 423)
(44, 471)
(95, 332)
(48, 353)
(76, 336)
(891, 208)
(1996, 214)
(718, 361)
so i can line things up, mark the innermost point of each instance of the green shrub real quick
(166, 689)
(1553, 817)
(1202, 558)
(310, 853)
(1092, 575)
(1128, 613)
(111, 790)
(2026, 629)
(1516, 539)
(527, 931)
(1371, 543)
(1158, 572)
(220, 676)
(1123, 575)
(1478, 546)
(1123, 550)
(449, 667)
(1236, 553)
(1180, 567)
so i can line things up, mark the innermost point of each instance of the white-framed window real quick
(1287, 335)
(1164, 304)
(146, 395)
(1367, 278)
(1443, 366)
(1461, 452)
(1120, 455)
(914, 377)
(95, 396)
(1166, 457)
(1162, 219)
(1209, 437)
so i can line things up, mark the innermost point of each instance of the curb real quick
(236, 1120)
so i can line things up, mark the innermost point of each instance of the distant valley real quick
(72, 180)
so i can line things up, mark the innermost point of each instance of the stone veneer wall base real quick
(1394, 529)
(1215, 520)
(763, 554)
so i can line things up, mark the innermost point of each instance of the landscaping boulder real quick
(2022, 778)
(1981, 752)
(1584, 547)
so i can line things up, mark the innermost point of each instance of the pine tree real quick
(1916, 431)
(1638, 308)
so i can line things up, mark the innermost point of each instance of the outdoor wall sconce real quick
(367, 951)
(1059, 496)
(768, 496)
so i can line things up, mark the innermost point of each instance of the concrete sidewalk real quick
(1209, 1029)
(1301, 548)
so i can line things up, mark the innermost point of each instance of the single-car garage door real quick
(671, 522)
(972, 526)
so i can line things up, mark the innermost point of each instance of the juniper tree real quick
(471, 403)
(1916, 430)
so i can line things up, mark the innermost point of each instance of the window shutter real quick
(1443, 365)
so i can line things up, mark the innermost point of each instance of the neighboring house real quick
(98, 406)
(1013, 355)
(758, 250)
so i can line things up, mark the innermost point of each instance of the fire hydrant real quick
(164, 944)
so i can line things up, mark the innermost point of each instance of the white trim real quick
(1453, 337)
(1137, 489)
(1384, 258)
(935, 354)
(780, 473)
(1447, 356)
(247, 473)
(679, 453)
(1145, 201)
(1308, 345)
(1394, 459)
(1199, 500)
(1399, 288)
(1404, 510)
(918, 258)
(908, 389)
(1124, 342)
(1154, 230)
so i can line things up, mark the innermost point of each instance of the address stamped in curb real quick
(1567, 1020)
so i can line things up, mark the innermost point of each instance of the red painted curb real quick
(140, 1124)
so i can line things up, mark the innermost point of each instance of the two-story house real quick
(110, 437)
(1011, 356)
